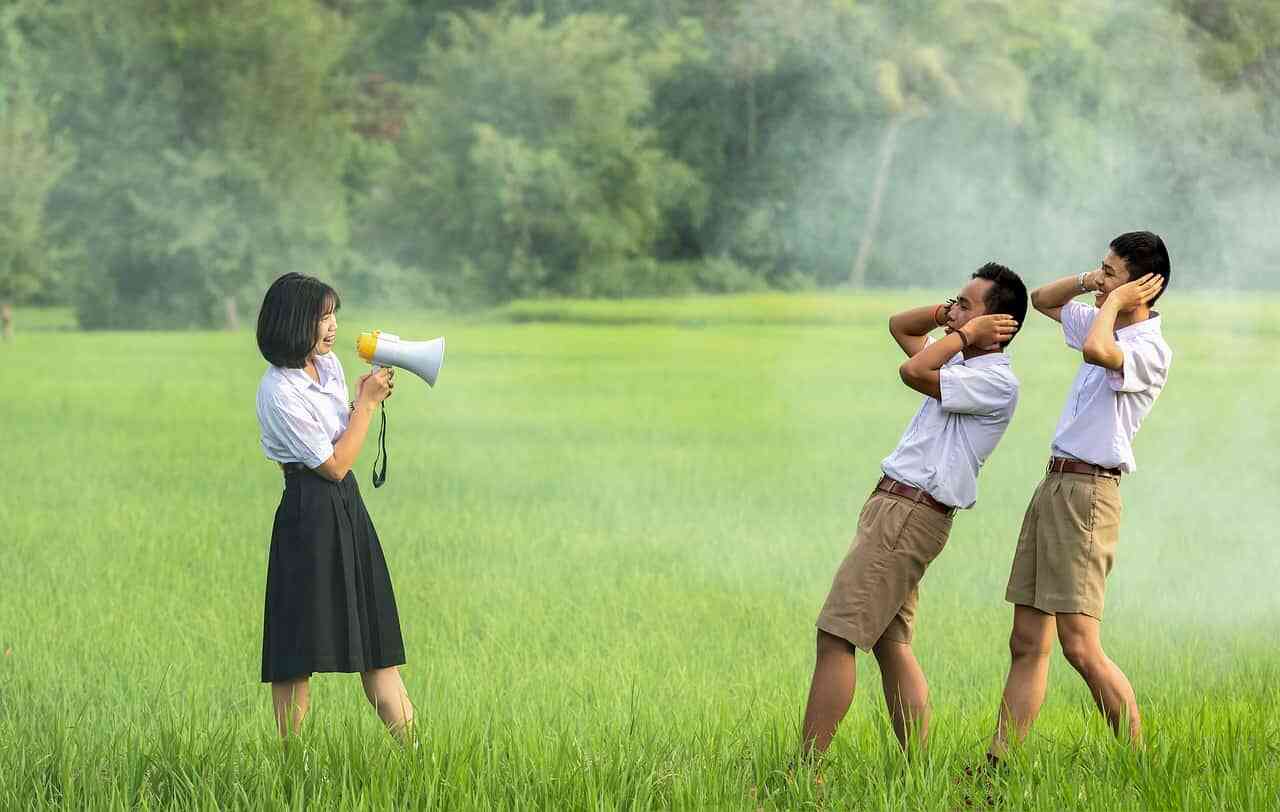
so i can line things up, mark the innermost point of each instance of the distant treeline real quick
(162, 160)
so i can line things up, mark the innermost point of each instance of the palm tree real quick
(915, 79)
(906, 99)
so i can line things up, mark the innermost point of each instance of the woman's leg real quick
(385, 691)
(292, 700)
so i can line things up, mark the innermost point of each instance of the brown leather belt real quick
(897, 488)
(1061, 465)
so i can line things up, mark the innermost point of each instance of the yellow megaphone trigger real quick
(366, 345)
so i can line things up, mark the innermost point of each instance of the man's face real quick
(1113, 272)
(971, 302)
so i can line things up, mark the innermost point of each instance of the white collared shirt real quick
(302, 419)
(1106, 406)
(948, 440)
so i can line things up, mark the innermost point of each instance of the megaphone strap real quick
(381, 477)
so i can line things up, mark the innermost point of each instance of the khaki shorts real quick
(876, 588)
(1067, 545)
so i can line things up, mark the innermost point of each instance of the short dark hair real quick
(290, 315)
(1007, 293)
(1143, 252)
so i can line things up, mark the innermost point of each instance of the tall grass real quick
(608, 544)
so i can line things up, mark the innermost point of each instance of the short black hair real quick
(1007, 293)
(1143, 252)
(290, 316)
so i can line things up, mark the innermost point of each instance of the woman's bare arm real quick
(374, 389)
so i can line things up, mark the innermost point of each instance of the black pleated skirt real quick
(329, 603)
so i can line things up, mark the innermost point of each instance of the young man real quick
(970, 394)
(1070, 530)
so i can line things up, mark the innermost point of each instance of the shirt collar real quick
(987, 360)
(300, 378)
(1150, 325)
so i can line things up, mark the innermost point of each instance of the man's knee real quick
(829, 645)
(1084, 655)
(891, 651)
(1026, 645)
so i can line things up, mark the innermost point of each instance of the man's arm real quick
(1049, 299)
(1100, 347)
(910, 327)
(922, 372)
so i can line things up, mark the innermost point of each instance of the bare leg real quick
(906, 693)
(1081, 640)
(292, 700)
(386, 692)
(830, 693)
(1029, 647)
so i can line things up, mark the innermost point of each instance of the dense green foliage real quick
(609, 544)
(162, 161)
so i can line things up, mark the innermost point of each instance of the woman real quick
(329, 603)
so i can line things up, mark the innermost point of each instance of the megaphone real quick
(422, 358)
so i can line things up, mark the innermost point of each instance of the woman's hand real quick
(375, 387)
(372, 389)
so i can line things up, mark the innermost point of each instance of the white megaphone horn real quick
(422, 358)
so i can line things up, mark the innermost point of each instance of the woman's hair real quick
(290, 316)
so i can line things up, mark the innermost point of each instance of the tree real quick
(774, 90)
(212, 150)
(1240, 48)
(525, 163)
(32, 160)
(914, 78)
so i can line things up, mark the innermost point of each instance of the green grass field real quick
(610, 528)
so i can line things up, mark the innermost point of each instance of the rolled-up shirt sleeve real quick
(289, 419)
(1146, 365)
(1077, 318)
(974, 391)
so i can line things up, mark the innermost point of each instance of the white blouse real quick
(302, 419)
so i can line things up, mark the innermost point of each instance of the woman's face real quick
(326, 332)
